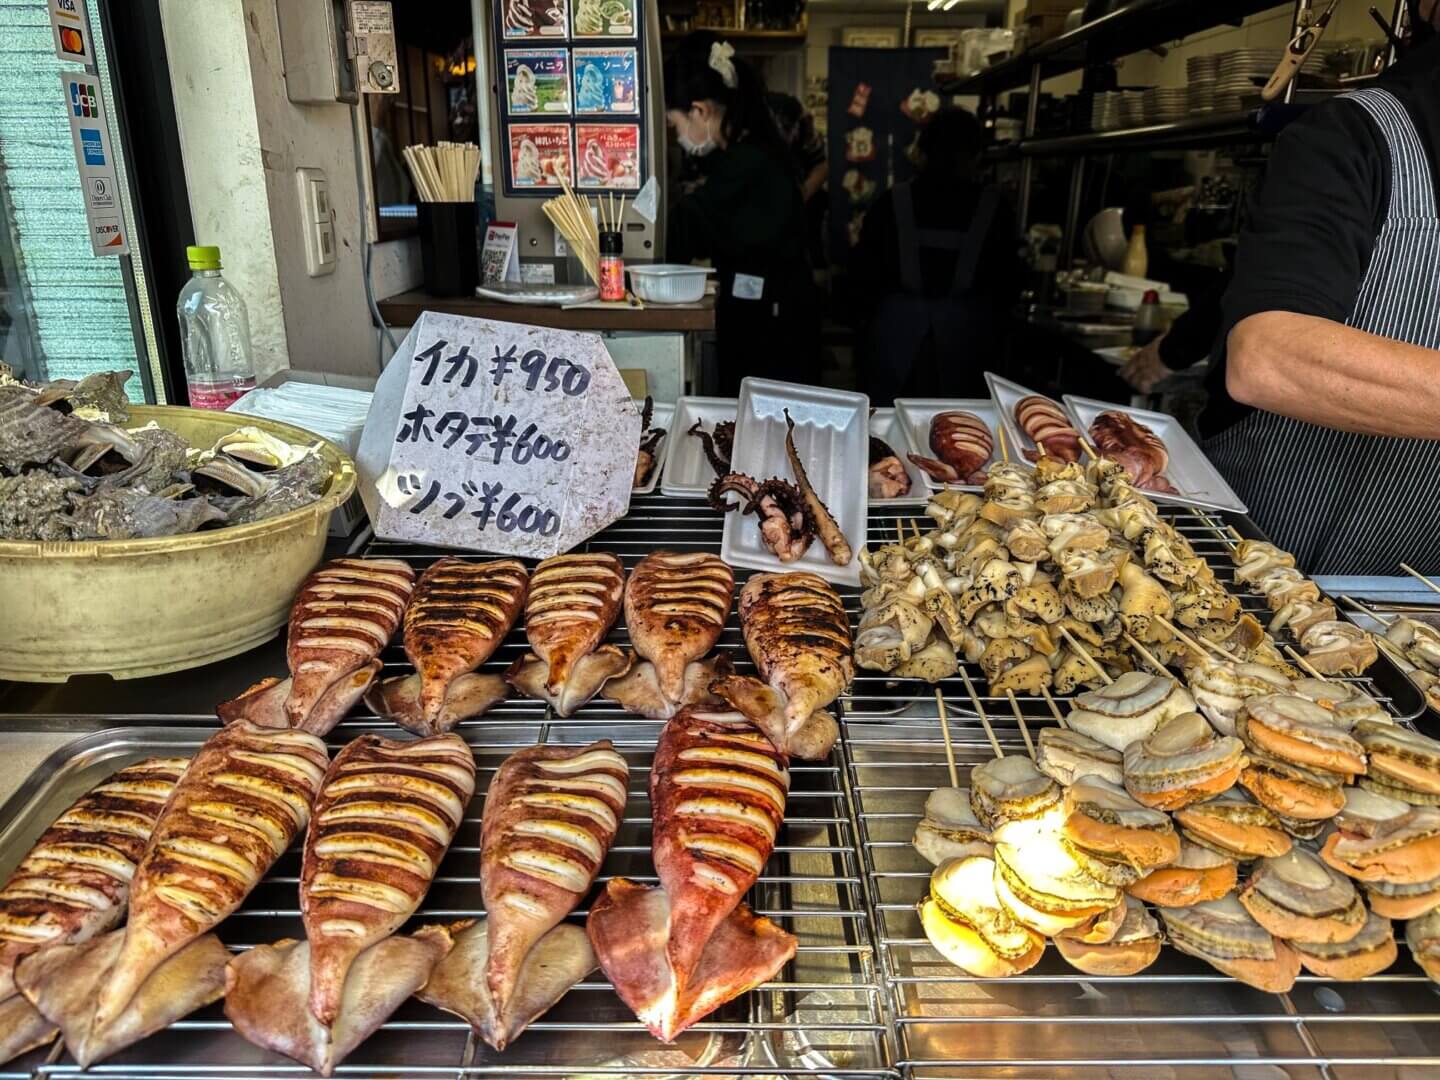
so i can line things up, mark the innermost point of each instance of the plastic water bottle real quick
(214, 334)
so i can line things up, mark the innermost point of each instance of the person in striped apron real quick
(1330, 431)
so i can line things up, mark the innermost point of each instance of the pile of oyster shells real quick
(70, 471)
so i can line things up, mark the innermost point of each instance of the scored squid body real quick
(550, 816)
(676, 604)
(75, 883)
(573, 602)
(677, 952)
(385, 817)
(244, 798)
(457, 618)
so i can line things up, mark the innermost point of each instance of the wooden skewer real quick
(1084, 654)
(1145, 653)
(1186, 639)
(945, 734)
(1383, 620)
(1420, 577)
(900, 530)
(915, 525)
(1303, 663)
(1085, 445)
(620, 217)
(1402, 661)
(1020, 719)
(1004, 450)
(1054, 709)
(980, 712)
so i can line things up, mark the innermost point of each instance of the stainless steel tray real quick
(822, 1016)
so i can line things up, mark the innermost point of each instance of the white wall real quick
(242, 141)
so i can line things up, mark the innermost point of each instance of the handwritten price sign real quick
(498, 437)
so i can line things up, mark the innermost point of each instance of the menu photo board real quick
(605, 80)
(608, 156)
(538, 81)
(540, 154)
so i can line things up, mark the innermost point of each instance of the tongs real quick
(1296, 53)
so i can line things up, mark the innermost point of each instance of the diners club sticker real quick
(609, 156)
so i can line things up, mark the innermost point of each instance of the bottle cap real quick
(612, 243)
(203, 257)
(1151, 297)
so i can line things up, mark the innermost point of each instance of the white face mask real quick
(695, 149)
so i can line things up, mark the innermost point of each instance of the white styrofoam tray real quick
(884, 424)
(832, 437)
(916, 415)
(660, 417)
(1190, 472)
(1007, 395)
(687, 469)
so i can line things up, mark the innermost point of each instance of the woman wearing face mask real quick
(745, 216)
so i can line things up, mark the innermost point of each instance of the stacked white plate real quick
(1201, 96)
(1105, 111)
(1163, 104)
(1203, 67)
(1132, 108)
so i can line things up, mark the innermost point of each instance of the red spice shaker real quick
(612, 266)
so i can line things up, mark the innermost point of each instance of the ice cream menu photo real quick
(605, 80)
(538, 81)
(540, 155)
(609, 156)
(534, 18)
(604, 18)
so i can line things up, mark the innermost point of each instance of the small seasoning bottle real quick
(612, 266)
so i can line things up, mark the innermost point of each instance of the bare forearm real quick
(814, 182)
(1327, 373)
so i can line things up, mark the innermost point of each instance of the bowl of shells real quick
(139, 539)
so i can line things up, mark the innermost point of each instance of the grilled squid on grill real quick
(344, 615)
(457, 618)
(678, 952)
(234, 811)
(550, 816)
(573, 602)
(75, 882)
(1134, 447)
(384, 818)
(963, 445)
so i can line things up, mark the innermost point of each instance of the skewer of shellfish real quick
(1020, 719)
(1197, 646)
(1054, 709)
(945, 735)
(1145, 654)
(1420, 577)
(1301, 662)
(1084, 654)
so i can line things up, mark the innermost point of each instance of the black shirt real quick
(1314, 222)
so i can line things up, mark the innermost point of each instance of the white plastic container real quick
(669, 283)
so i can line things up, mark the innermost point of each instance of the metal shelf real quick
(1131, 27)
(1178, 134)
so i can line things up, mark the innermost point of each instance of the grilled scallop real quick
(1368, 953)
(244, 797)
(1224, 935)
(1297, 897)
(75, 882)
(385, 817)
(1183, 762)
(1010, 792)
(1383, 840)
(1044, 887)
(1197, 874)
(1065, 755)
(718, 791)
(798, 634)
(345, 613)
(1234, 826)
(1129, 709)
(550, 816)
(1403, 901)
(676, 604)
(459, 615)
(1221, 688)
(1404, 764)
(573, 602)
(967, 924)
(1291, 790)
(1115, 838)
(1347, 704)
(1298, 730)
(1132, 949)
(950, 829)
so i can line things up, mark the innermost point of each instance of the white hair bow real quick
(721, 54)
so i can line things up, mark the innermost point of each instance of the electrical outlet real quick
(317, 221)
